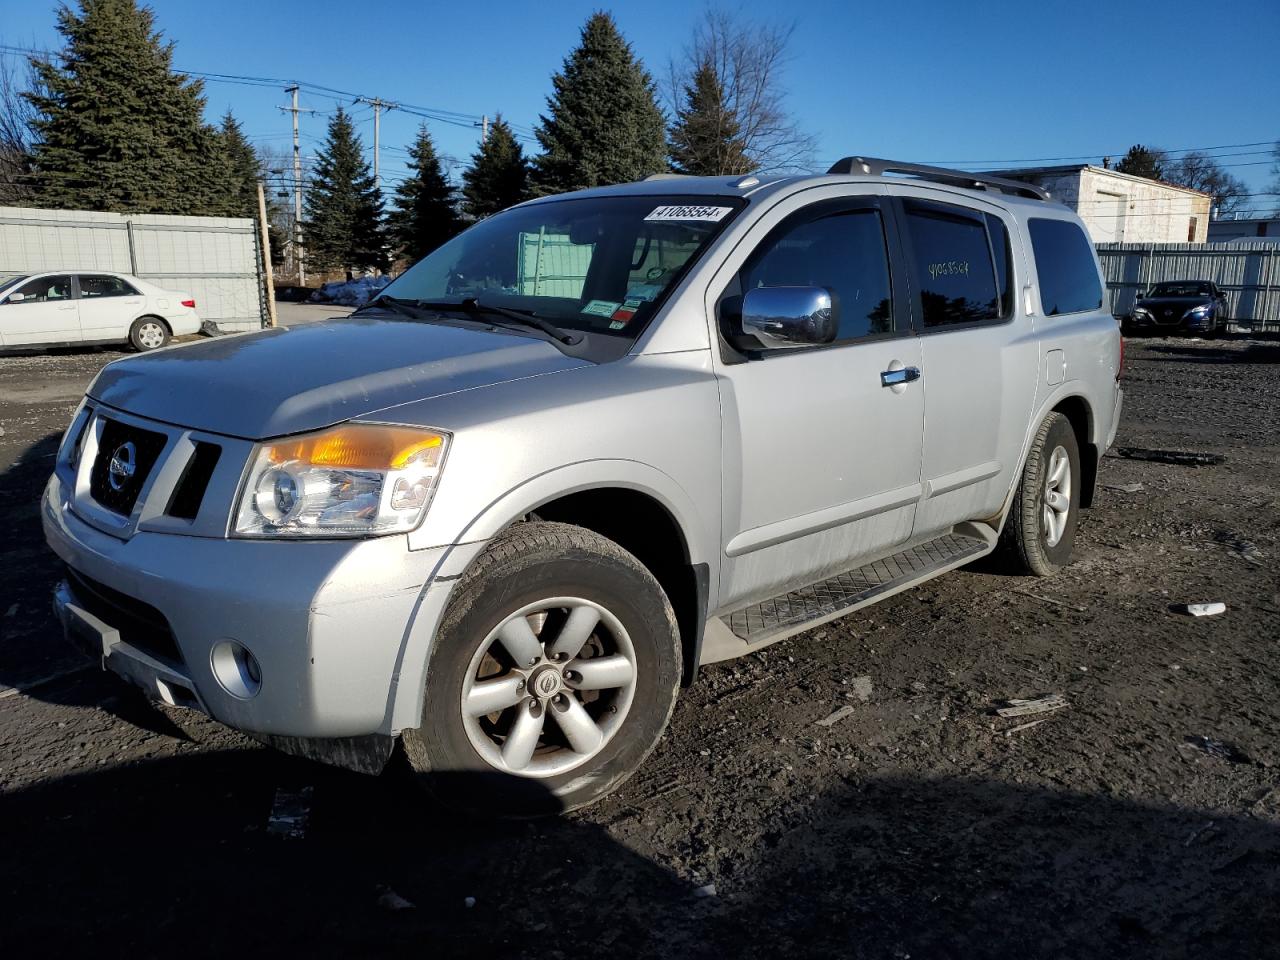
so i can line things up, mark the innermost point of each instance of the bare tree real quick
(749, 60)
(1199, 171)
(17, 136)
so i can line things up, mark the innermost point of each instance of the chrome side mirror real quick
(787, 317)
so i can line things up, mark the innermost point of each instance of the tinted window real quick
(846, 254)
(953, 264)
(1064, 262)
(45, 289)
(102, 286)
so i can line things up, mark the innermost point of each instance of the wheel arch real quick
(637, 506)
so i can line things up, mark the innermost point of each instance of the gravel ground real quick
(918, 825)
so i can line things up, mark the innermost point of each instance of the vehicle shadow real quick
(175, 855)
(1252, 353)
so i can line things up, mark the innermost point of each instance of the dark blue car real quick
(1190, 307)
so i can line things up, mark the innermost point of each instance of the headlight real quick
(1198, 311)
(349, 481)
(1140, 311)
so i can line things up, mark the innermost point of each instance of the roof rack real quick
(874, 167)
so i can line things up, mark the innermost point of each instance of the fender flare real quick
(1067, 390)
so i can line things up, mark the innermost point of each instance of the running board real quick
(783, 616)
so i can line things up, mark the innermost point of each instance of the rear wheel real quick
(553, 675)
(148, 333)
(1041, 527)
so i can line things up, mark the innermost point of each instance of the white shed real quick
(1121, 208)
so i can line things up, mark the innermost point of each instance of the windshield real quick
(599, 264)
(1180, 290)
(8, 282)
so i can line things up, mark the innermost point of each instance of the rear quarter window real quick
(1064, 263)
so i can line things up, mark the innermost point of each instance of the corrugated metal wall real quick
(1249, 274)
(215, 259)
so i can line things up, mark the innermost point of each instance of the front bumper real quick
(340, 629)
(1147, 323)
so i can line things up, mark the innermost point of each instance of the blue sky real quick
(929, 80)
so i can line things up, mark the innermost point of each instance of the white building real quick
(1245, 229)
(1121, 208)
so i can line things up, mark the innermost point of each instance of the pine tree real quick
(424, 216)
(1143, 161)
(603, 124)
(342, 220)
(243, 169)
(118, 129)
(499, 173)
(705, 140)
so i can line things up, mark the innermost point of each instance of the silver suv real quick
(503, 513)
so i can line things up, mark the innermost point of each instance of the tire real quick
(1028, 542)
(148, 333)
(550, 576)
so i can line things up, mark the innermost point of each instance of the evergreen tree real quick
(117, 129)
(424, 216)
(705, 140)
(603, 124)
(342, 219)
(1143, 161)
(243, 170)
(499, 173)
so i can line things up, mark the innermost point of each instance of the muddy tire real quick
(1041, 527)
(148, 333)
(552, 676)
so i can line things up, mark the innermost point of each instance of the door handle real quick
(69, 306)
(903, 375)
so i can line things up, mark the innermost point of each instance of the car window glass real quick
(1003, 252)
(46, 289)
(92, 286)
(844, 253)
(953, 265)
(1065, 265)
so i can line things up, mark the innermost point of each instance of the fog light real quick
(236, 669)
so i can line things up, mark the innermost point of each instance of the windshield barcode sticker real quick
(687, 213)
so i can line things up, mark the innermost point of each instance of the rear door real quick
(821, 457)
(980, 353)
(108, 305)
(45, 313)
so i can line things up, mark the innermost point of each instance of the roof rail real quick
(874, 167)
(666, 176)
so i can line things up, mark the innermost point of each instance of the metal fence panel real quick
(217, 260)
(1248, 274)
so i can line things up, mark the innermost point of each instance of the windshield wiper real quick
(473, 306)
(404, 307)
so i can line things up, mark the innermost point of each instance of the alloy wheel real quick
(549, 687)
(1056, 502)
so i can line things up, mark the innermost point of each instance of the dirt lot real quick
(920, 825)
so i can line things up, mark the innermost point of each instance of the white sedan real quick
(63, 308)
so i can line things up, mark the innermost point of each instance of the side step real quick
(807, 607)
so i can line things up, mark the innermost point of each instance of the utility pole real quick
(378, 105)
(264, 240)
(297, 185)
(484, 128)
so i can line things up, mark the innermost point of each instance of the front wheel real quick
(1041, 527)
(553, 674)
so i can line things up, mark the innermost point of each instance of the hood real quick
(1185, 303)
(292, 379)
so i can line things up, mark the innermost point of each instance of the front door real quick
(42, 310)
(821, 457)
(108, 306)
